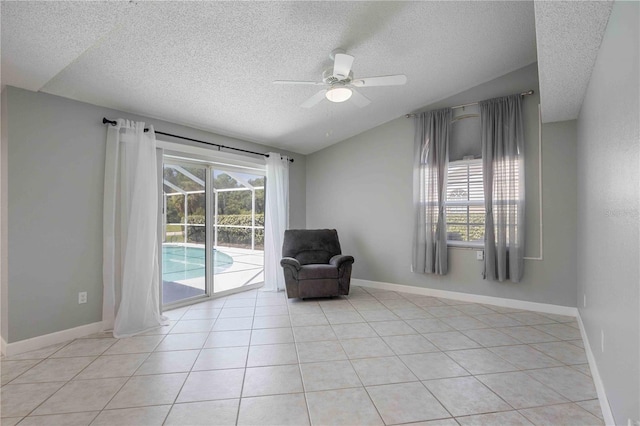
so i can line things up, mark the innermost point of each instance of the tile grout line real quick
(104, 408)
(190, 369)
(468, 372)
(340, 342)
(360, 379)
(246, 366)
(69, 380)
(380, 414)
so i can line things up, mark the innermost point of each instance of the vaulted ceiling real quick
(211, 65)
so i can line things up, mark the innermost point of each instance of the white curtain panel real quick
(131, 275)
(276, 219)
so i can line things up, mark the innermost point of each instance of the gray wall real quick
(363, 188)
(609, 211)
(4, 297)
(56, 151)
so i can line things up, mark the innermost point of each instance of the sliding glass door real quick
(238, 221)
(212, 230)
(184, 263)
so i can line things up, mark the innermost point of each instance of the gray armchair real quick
(314, 265)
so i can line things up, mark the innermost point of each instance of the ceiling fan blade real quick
(359, 99)
(342, 65)
(314, 100)
(385, 80)
(315, 83)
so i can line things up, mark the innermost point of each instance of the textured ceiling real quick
(569, 36)
(210, 64)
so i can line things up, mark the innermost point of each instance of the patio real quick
(247, 268)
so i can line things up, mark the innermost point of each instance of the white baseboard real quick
(9, 349)
(468, 297)
(597, 380)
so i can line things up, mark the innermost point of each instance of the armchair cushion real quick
(317, 271)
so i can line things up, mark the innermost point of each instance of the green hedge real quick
(458, 232)
(240, 219)
(229, 219)
(232, 237)
(240, 237)
(197, 219)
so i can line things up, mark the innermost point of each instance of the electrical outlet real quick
(602, 340)
(585, 300)
(479, 255)
(82, 297)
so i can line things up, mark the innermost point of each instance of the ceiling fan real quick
(340, 82)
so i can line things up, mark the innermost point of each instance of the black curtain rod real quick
(113, 123)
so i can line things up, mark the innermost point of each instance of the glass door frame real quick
(210, 163)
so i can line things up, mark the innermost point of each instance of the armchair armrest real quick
(290, 261)
(340, 259)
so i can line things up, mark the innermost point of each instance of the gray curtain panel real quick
(431, 158)
(504, 198)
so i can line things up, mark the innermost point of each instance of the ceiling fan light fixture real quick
(338, 94)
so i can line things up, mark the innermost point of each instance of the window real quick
(465, 204)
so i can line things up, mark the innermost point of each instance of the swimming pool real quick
(183, 263)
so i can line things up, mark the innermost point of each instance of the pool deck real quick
(247, 268)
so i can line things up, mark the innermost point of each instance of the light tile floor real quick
(375, 357)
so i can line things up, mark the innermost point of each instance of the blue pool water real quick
(183, 263)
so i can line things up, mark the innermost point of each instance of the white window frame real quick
(464, 203)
